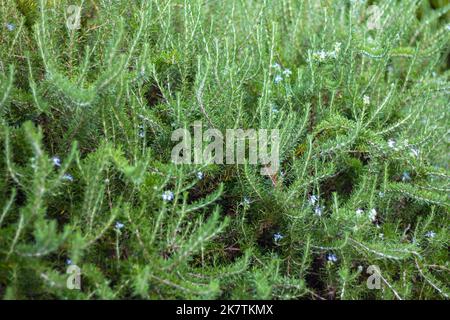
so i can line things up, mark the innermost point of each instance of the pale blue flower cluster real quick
(322, 55)
(331, 257)
(314, 202)
(167, 195)
(279, 77)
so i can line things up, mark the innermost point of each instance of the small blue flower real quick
(278, 79)
(392, 144)
(56, 161)
(141, 131)
(277, 237)
(359, 212)
(68, 262)
(275, 109)
(366, 100)
(287, 73)
(337, 47)
(10, 26)
(119, 225)
(318, 211)
(430, 234)
(320, 55)
(67, 177)
(142, 72)
(313, 199)
(276, 66)
(199, 175)
(406, 177)
(331, 257)
(167, 195)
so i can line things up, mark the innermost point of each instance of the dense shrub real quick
(85, 172)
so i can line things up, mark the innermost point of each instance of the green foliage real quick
(86, 117)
